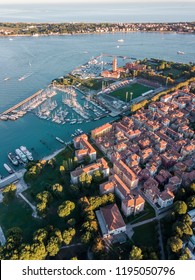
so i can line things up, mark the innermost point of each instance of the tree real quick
(44, 196)
(90, 226)
(65, 164)
(9, 193)
(186, 219)
(44, 199)
(97, 176)
(85, 179)
(40, 235)
(98, 246)
(38, 251)
(181, 228)
(185, 254)
(86, 237)
(68, 235)
(52, 163)
(57, 189)
(191, 189)
(75, 162)
(33, 172)
(180, 207)
(135, 253)
(62, 170)
(14, 237)
(191, 202)
(66, 208)
(175, 244)
(53, 246)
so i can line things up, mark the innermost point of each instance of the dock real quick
(10, 110)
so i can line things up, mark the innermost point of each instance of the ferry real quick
(26, 153)
(21, 155)
(13, 159)
(8, 168)
(60, 140)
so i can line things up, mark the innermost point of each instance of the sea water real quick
(46, 58)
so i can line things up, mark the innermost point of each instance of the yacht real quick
(21, 155)
(13, 159)
(26, 153)
(8, 168)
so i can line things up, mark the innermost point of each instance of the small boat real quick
(6, 79)
(13, 159)
(120, 40)
(180, 52)
(24, 77)
(8, 168)
(60, 140)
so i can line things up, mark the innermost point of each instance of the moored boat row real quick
(21, 156)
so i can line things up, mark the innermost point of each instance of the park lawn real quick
(175, 72)
(20, 215)
(136, 89)
(145, 235)
(50, 176)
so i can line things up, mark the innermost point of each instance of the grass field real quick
(145, 235)
(175, 72)
(136, 89)
(19, 214)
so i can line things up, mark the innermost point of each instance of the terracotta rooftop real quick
(125, 169)
(120, 185)
(112, 217)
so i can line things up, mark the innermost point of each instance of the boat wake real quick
(24, 77)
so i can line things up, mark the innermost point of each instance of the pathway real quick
(2, 237)
(30, 204)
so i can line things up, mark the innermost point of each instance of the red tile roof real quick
(112, 217)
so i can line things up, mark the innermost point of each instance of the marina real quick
(39, 134)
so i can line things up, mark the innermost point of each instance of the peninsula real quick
(126, 189)
(45, 29)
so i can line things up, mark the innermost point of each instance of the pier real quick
(10, 110)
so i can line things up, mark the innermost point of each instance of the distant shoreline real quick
(92, 33)
(9, 29)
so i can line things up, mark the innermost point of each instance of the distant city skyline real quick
(87, 1)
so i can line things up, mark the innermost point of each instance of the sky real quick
(84, 1)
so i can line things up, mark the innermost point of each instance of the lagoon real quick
(42, 59)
